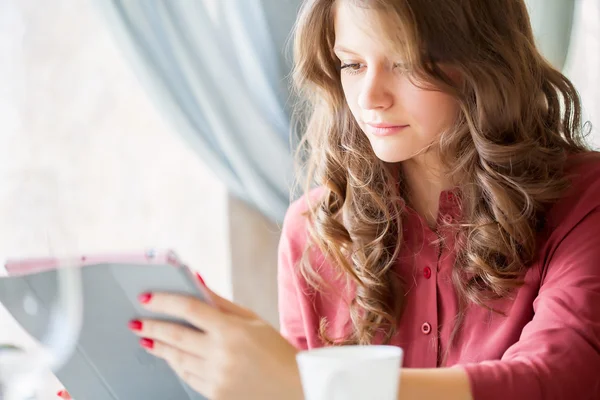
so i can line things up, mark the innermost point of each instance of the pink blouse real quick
(546, 346)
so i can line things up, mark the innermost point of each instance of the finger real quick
(63, 394)
(178, 360)
(197, 383)
(195, 311)
(230, 307)
(179, 336)
(224, 304)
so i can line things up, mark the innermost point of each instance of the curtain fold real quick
(219, 70)
(552, 22)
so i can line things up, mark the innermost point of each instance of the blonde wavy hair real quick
(519, 121)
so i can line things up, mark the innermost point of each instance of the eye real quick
(351, 68)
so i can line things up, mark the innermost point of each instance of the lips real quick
(385, 129)
(385, 125)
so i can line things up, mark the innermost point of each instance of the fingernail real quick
(147, 343)
(200, 279)
(145, 298)
(135, 325)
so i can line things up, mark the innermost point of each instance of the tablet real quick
(108, 362)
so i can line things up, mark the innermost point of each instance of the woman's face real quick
(401, 120)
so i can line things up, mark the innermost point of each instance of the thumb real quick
(225, 305)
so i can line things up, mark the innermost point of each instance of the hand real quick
(237, 355)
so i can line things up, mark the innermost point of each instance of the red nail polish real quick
(135, 325)
(145, 298)
(200, 279)
(63, 394)
(147, 343)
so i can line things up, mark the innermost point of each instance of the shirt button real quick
(427, 272)
(447, 219)
(426, 328)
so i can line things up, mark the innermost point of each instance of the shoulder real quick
(295, 229)
(579, 202)
(583, 194)
(584, 170)
(296, 221)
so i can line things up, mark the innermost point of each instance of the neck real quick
(425, 180)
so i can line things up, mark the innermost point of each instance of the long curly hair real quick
(519, 121)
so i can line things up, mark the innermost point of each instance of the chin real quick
(391, 158)
(390, 154)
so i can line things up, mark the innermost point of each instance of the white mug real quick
(351, 372)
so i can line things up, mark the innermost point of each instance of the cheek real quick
(351, 93)
(431, 111)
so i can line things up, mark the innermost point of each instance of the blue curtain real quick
(552, 22)
(219, 69)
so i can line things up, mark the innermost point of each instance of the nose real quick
(375, 94)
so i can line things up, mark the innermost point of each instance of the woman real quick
(457, 215)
